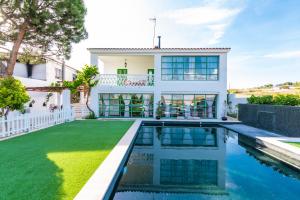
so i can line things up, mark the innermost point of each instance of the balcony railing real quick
(126, 80)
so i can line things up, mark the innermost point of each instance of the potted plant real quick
(224, 118)
(159, 110)
(31, 103)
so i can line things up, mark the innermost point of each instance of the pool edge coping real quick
(99, 184)
(276, 143)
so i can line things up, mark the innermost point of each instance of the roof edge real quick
(162, 50)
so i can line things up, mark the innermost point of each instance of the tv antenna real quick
(154, 27)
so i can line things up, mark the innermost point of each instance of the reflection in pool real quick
(202, 163)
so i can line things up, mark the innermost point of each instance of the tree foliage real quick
(50, 26)
(13, 95)
(86, 78)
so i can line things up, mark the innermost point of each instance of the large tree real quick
(48, 26)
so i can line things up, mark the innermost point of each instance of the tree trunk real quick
(14, 53)
(87, 102)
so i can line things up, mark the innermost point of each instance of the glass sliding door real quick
(189, 105)
(126, 105)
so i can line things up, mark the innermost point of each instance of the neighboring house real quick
(44, 74)
(188, 82)
(41, 75)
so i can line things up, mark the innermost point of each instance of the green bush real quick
(289, 100)
(91, 116)
(13, 95)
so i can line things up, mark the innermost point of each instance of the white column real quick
(187, 111)
(209, 104)
(157, 81)
(94, 59)
(127, 98)
(82, 99)
(66, 99)
(146, 99)
(106, 104)
(57, 101)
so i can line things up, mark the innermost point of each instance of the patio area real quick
(55, 163)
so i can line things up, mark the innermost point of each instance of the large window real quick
(188, 172)
(189, 105)
(190, 68)
(58, 73)
(126, 105)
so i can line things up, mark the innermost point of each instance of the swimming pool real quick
(208, 162)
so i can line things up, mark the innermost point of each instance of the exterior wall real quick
(44, 71)
(135, 64)
(218, 87)
(50, 72)
(69, 74)
(234, 101)
(39, 72)
(284, 120)
(20, 70)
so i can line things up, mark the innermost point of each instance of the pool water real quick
(172, 162)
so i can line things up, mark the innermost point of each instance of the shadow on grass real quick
(26, 172)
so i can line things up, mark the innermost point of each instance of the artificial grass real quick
(296, 144)
(56, 162)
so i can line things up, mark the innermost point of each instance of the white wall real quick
(39, 72)
(50, 71)
(218, 87)
(20, 70)
(69, 73)
(135, 64)
(234, 100)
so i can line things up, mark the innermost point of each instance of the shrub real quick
(266, 99)
(91, 116)
(13, 95)
(288, 100)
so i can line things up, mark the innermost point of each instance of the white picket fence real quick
(29, 122)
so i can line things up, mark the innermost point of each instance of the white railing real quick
(29, 122)
(126, 80)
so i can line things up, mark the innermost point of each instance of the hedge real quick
(289, 99)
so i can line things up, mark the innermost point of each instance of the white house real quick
(43, 75)
(188, 82)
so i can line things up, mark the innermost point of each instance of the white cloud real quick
(206, 14)
(284, 55)
(210, 17)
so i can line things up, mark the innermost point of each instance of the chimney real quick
(158, 41)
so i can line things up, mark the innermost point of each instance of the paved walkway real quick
(271, 143)
(250, 131)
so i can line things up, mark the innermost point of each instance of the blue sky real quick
(264, 34)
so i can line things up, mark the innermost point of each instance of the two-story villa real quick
(188, 83)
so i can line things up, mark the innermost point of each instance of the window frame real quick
(181, 63)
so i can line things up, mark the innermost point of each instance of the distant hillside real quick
(282, 88)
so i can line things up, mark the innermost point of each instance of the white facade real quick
(42, 76)
(139, 60)
(44, 73)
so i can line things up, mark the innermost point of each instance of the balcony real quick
(125, 80)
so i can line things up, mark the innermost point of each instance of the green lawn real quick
(296, 144)
(56, 162)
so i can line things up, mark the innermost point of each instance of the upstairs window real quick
(74, 76)
(190, 68)
(58, 73)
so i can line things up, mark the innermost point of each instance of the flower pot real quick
(224, 118)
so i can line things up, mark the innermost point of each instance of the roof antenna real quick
(154, 26)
